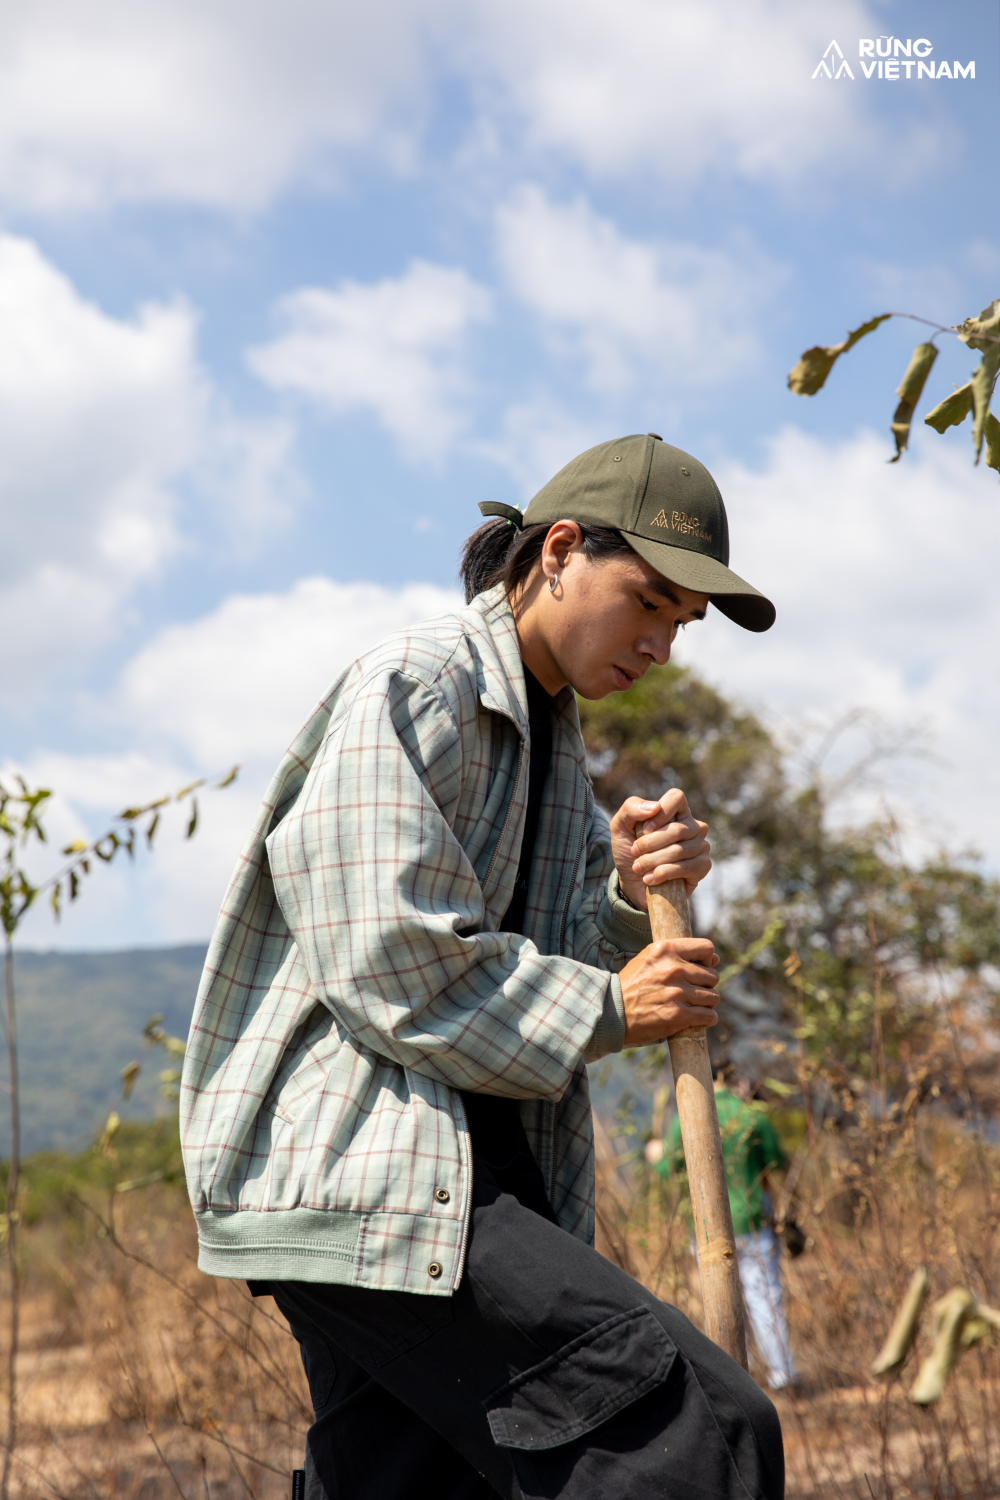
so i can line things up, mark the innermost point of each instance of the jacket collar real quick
(499, 666)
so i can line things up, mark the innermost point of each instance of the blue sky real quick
(289, 289)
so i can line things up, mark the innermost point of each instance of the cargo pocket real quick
(582, 1384)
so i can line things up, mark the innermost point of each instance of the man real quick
(431, 929)
(752, 1152)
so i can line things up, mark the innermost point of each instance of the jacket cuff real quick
(626, 927)
(609, 1033)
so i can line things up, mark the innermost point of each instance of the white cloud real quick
(100, 419)
(539, 437)
(97, 416)
(238, 683)
(235, 685)
(884, 582)
(632, 309)
(223, 104)
(393, 347)
(675, 90)
(169, 895)
(231, 104)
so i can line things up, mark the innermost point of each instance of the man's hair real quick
(498, 553)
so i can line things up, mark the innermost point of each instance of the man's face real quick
(607, 622)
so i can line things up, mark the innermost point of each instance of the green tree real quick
(673, 729)
(857, 940)
(866, 938)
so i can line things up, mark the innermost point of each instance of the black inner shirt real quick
(540, 737)
(498, 1136)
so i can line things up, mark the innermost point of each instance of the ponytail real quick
(499, 552)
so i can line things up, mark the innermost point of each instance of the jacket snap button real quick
(434, 1269)
(442, 1195)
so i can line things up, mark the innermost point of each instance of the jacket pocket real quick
(582, 1384)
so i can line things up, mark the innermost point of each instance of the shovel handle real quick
(670, 917)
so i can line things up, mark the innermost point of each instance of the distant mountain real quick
(80, 1020)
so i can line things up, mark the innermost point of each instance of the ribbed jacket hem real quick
(382, 1251)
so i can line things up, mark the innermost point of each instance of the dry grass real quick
(876, 1200)
(139, 1376)
(142, 1378)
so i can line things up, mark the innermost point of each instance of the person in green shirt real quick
(751, 1150)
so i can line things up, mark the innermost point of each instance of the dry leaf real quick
(909, 392)
(809, 375)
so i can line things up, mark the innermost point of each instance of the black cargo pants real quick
(550, 1372)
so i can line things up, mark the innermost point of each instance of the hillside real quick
(80, 1020)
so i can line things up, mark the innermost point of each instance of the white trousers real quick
(759, 1256)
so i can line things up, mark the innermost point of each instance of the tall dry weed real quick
(141, 1377)
(880, 1186)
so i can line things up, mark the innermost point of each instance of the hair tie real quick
(506, 513)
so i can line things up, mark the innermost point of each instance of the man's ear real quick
(564, 537)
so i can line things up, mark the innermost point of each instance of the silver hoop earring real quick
(552, 585)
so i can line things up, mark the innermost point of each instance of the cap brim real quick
(730, 594)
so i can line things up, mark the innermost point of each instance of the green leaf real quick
(189, 788)
(55, 900)
(151, 830)
(74, 884)
(909, 391)
(128, 1076)
(194, 818)
(809, 375)
(992, 442)
(227, 779)
(982, 384)
(982, 332)
(76, 847)
(109, 1132)
(107, 855)
(952, 410)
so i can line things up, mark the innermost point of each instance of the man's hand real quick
(675, 849)
(667, 987)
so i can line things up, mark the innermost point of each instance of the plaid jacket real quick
(356, 979)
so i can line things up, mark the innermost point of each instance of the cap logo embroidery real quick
(679, 520)
(689, 525)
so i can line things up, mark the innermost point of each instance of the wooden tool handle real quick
(713, 1222)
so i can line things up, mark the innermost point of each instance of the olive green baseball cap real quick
(669, 510)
